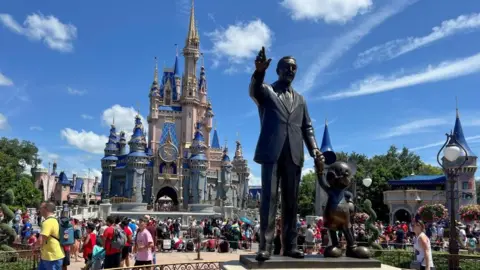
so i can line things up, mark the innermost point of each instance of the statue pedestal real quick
(228, 211)
(309, 262)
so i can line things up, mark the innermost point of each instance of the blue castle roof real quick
(63, 179)
(458, 131)
(419, 180)
(175, 66)
(215, 140)
(78, 185)
(225, 156)
(170, 108)
(326, 143)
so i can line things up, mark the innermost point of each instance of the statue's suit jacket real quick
(278, 122)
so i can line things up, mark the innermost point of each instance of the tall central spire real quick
(192, 28)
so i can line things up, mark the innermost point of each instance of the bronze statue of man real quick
(285, 125)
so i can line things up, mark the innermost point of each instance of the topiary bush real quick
(7, 233)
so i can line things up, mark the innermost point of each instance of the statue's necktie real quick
(287, 97)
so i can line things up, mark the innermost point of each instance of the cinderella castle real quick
(181, 158)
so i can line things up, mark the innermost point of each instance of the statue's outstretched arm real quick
(258, 90)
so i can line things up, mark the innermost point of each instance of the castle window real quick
(464, 185)
(168, 97)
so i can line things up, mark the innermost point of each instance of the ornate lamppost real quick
(452, 163)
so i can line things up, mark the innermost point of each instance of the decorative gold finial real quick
(203, 59)
(326, 121)
(113, 121)
(176, 49)
(138, 108)
(215, 124)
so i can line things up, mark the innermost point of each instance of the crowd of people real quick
(95, 241)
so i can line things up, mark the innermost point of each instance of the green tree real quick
(27, 195)
(306, 198)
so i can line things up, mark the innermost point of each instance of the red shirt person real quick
(112, 255)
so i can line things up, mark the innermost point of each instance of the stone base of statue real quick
(311, 262)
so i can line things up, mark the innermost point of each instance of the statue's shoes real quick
(359, 252)
(332, 252)
(294, 253)
(263, 256)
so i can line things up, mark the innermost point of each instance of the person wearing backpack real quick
(114, 239)
(52, 253)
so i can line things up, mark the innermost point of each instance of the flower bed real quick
(360, 217)
(433, 212)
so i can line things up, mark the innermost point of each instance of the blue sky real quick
(381, 73)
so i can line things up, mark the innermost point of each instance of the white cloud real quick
(124, 118)
(47, 156)
(395, 48)
(86, 116)
(87, 141)
(5, 81)
(76, 92)
(254, 180)
(241, 41)
(49, 29)
(378, 84)
(416, 126)
(344, 43)
(94, 143)
(36, 128)
(3, 122)
(440, 143)
(331, 11)
(307, 170)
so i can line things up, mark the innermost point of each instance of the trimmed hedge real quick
(403, 258)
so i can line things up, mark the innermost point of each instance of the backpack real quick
(66, 232)
(119, 238)
(77, 234)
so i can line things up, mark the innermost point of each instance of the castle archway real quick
(402, 215)
(168, 192)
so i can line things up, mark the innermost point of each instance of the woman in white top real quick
(421, 244)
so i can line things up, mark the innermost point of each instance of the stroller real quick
(96, 263)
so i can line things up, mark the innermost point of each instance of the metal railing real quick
(16, 260)
(177, 266)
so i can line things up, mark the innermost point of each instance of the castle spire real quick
(458, 131)
(192, 28)
(155, 73)
(175, 67)
(456, 107)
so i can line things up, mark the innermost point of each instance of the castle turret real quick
(62, 188)
(190, 100)
(178, 79)
(137, 161)
(202, 86)
(41, 181)
(466, 184)
(198, 165)
(208, 123)
(122, 144)
(154, 94)
(240, 167)
(109, 162)
(226, 177)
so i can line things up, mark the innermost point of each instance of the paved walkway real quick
(183, 257)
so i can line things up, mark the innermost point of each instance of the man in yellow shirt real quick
(51, 251)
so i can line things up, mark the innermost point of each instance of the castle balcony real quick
(414, 196)
(212, 174)
(167, 177)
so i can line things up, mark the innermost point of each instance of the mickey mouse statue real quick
(339, 211)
